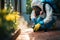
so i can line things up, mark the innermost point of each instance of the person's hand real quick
(37, 26)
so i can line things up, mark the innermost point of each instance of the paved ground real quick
(28, 34)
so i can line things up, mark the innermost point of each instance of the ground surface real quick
(28, 34)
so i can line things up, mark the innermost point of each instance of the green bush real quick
(8, 22)
(28, 6)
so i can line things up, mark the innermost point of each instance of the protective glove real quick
(37, 26)
(41, 22)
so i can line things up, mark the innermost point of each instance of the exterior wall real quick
(19, 5)
(23, 6)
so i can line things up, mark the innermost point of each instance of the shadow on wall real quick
(26, 17)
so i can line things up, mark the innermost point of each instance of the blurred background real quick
(14, 11)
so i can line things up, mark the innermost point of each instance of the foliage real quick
(8, 21)
(28, 6)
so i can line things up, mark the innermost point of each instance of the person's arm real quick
(48, 13)
(33, 16)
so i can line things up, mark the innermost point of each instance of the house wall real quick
(23, 6)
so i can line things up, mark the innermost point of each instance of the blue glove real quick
(41, 22)
(39, 19)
